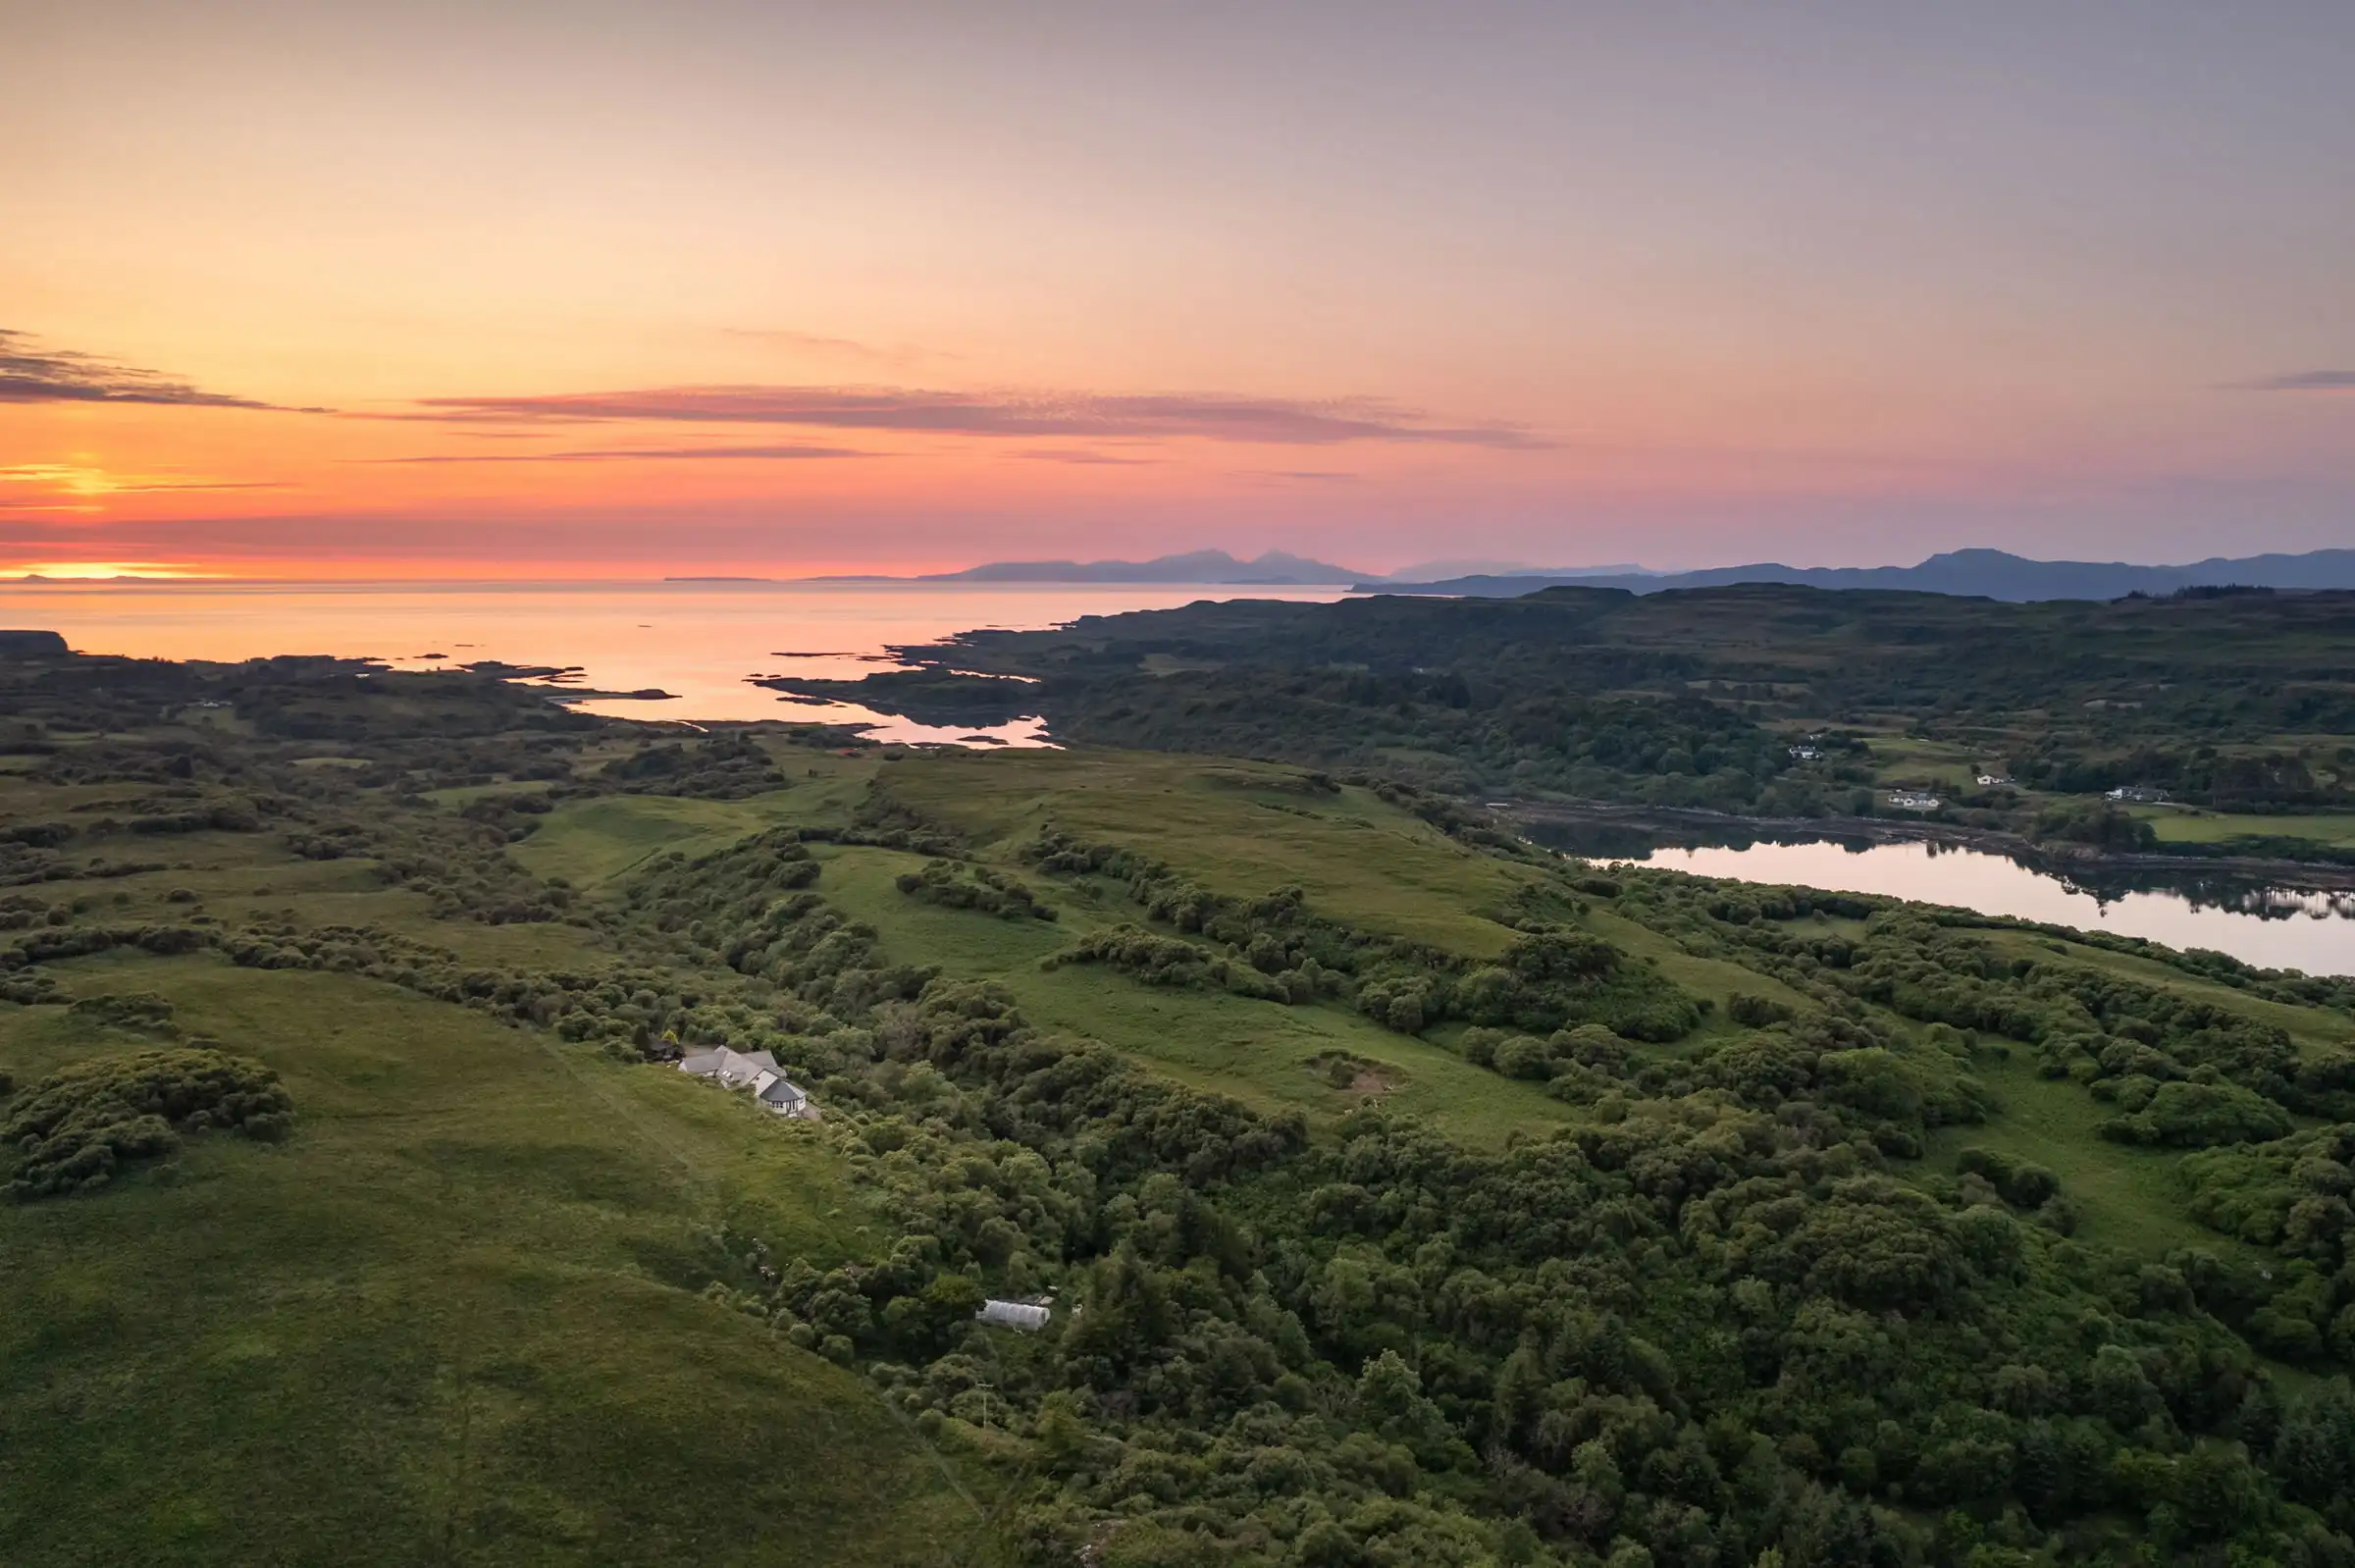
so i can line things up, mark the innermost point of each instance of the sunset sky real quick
(594, 290)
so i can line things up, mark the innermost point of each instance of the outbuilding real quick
(1028, 1316)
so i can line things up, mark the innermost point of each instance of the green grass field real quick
(451, 1320)
(2175, 826)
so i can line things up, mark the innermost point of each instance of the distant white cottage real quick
(1024, 1315)
(756, 1070)
(1910, 801)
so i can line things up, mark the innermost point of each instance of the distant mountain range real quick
(1975, 573)
(1274, 569)
(1217, 569)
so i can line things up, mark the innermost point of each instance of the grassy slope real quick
(596, 840)
(1257, 1051)
(1236, 828)
(2127, 1197)
(1368, 862)
(2311, 1029)
(444, 1321)
(1360, 859)
(2130, 1197)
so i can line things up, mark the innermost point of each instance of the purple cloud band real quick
(607, 454)
(1262, 420)
(2305, 380)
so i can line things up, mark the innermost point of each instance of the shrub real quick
(1755, 1012)
(2200, 1115)
(76, 1127)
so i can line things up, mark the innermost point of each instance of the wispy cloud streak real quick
(1299, 475)
(2306, 381)
(29, 375)
(1081, 457)
(612, 455)
(898, 355)
(1209, 417)
(70, 479)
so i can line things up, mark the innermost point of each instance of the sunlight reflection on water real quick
(701, 641)
(2279, 928)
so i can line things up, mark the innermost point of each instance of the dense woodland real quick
(1728, 1313)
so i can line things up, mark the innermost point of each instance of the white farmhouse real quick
(757, 1070)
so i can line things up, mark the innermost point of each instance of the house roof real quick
(779, 1091)
(737, 1067)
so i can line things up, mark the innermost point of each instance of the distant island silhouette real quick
(1971, 573)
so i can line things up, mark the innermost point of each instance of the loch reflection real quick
(2275, 926)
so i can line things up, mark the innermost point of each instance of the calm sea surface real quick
(702, 640)
(698, 640)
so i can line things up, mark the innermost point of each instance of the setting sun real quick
(60, 570)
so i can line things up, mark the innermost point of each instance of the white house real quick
(733, 1069)
(2139, 793)
(782, 1097)
(1909, 801)
(741, 1071)
(757, 1070)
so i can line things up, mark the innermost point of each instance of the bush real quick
(974, 887)
(2101, 826)
(2200, 1115)
(76, 1127)
(1755, 1012)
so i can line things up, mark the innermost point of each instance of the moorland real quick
(2223, 716)
(1400, 1193)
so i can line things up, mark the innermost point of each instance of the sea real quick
(702, 642)
(706, 642)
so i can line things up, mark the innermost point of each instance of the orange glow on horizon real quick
(100, 571)
(583, 293)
